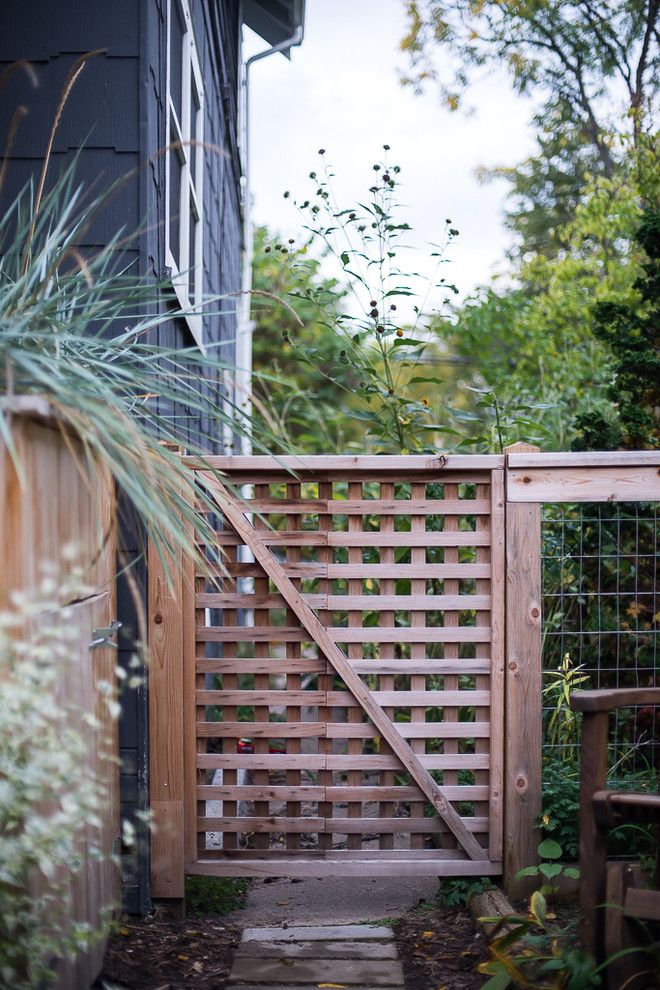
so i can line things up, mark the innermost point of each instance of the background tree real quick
(592, 56)
(589, 66)
(544, 343)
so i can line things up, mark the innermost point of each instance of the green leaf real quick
(498, 982)
(549, 849)
(538, 906)
(409, 342)
(550, 870)
(528, 871)
(572, 872)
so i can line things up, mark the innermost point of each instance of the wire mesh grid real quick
(600, 607)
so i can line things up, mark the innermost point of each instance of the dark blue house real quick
(168, 72)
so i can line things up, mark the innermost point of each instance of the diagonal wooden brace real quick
(317, 631)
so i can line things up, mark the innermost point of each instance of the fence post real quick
(523, 686)
(166, 698)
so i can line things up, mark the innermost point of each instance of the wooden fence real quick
(241, 787)
(61, 501)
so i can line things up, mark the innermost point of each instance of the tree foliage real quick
(593, 56)
(632, 331)
(545, 342)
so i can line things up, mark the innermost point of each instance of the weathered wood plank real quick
(375, 538)
(343, 866)
(370, 507)
(336, 794)
(342, 730)
(584, 484)
(585, 459)
(523, 692)
(275, 665)
(375, 603)
(336, 826)
(342, 634)
(312, 569)
(166, 737)
(321, 465)
(497, 651)
(320, 762)
(344, 699)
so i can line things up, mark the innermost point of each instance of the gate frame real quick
(530, 479)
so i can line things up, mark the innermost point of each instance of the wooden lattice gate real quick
(343, 682)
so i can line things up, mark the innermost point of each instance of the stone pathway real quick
(358, 957)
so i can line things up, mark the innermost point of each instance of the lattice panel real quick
(398, 566)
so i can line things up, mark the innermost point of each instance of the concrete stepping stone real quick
(332, 949)
(358, 957)
(309, 933)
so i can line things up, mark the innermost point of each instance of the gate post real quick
(170, 626)
(523, 686)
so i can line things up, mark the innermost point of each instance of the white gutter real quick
(245, 326)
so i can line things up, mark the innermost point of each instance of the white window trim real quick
(191, 191)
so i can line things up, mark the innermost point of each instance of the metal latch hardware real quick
(103, 635)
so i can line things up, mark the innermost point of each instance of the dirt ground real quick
(438, 949)
(149, 954)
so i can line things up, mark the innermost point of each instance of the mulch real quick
(153, 954)
(440, 950)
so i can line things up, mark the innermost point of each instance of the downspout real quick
(243, 393)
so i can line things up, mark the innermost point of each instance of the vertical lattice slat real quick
(483, 586)
(354, 587)
(229, 712)
(451, 650)
(261, 681)
(326, 679)
(417, 650)
(387, 652)
(293, 680)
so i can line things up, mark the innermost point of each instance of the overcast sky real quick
(341, 91)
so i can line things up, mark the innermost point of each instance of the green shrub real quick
(215, 895)
(457, 891)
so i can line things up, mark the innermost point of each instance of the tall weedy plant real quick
(386, 323)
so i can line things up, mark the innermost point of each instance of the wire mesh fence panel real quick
(600, 628)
